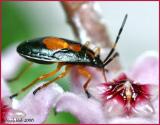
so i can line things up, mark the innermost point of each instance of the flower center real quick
(126, 93)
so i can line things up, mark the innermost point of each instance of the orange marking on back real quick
(75, 47)
(55, 43)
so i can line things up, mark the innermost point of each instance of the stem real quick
(87, 25)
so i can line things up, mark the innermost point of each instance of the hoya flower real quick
(125, 97)
(92, 110)
(33, 107)
(132, 97)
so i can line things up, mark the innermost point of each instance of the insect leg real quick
(39, 78)
(97, 51)
(104, 74)
(85, 73)
(67, 68)
(20, 74)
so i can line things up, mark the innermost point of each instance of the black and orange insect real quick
(49, 50)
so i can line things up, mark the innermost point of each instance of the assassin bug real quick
(49, 50)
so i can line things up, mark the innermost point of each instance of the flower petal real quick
(124, 97)
(113, 108)
(5, 91)
(98, 89)
(86, 110)
(144, 108)
(37, 106)
(5, 108)
(146, 68)
(134, 120)
(10, 62)
(156, 115)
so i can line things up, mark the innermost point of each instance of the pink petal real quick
(113, 108)
(98, 89)
(144, 109)
(7, 104)
(11, 62)
(156, 115)
(134, 120)
(8, 113)
(124, 97)
(37, 106)
(146, 68)
(14, 115)
(5, 91)
(5, 109)
(88, 111)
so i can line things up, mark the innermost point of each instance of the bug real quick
(49, 50)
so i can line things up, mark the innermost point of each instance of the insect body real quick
(49, 50)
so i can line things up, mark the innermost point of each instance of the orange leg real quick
(67, 69)
(20, 74)
(39, 78)
(85, 73)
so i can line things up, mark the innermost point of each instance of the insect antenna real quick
(111, 58)
(107, 62)
(117, 38)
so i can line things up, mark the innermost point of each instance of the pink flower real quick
(93, 110)
(132, 97)
(125, 97)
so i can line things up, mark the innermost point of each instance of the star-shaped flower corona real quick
(127, 97)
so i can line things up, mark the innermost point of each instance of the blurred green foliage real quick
(15, 27)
